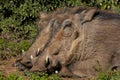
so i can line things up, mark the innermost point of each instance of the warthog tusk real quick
(31, 57)
(38, 51)
(47, 59)
(23, 52)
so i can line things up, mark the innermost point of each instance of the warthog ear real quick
(86, 15)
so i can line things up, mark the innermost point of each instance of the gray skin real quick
(87, 42)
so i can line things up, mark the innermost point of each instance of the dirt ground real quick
(6, 67)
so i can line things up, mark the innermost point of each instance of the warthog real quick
(86, 42)
(48, 27)
(44, 36)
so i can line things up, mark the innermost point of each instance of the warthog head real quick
(45, 34)
(65, 43)
(49, 25)
(59, 45)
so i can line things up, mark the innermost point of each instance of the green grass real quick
(108, 76)
(10, 77)
(42, 76)
(9, 48)
(30, 76)
(36, 76)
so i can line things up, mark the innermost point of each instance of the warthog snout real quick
(21, 66)
(45, 63)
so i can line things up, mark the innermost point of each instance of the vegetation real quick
(18, 27)
(36, 76)
(30, 76)
(109, 76)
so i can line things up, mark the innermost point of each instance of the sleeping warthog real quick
(48, 27)
(87, 41)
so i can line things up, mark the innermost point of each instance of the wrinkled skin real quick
(87, 41)
(48, 27)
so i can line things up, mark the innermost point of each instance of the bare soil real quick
(6, 66)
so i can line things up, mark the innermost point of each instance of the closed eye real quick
(67, 23)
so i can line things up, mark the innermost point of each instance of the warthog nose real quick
(21, 68)
(16, 64)
(115, 67)
(28, 62)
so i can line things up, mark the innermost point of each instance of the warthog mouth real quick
(49, 69)
(115, 67)
(22, 67)
(54, 69)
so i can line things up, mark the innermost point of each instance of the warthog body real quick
(86, 42)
